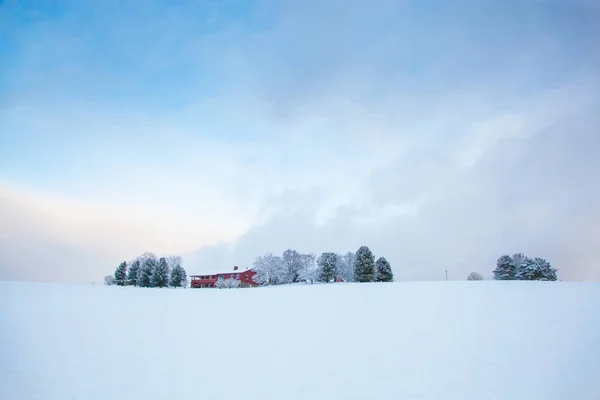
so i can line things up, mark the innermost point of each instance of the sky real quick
(440, 134)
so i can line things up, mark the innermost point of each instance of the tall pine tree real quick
(327, 263)
(160, 274)
(133, 273)
(178, 276)
(383, 271)
(147, 266)
(364, 265)
(506, 269)
(121, 274)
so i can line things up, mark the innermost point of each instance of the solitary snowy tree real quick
(308, 270)
(346, 266)
(327, 263)
(475, 276)
(537, 269)
(292, 262)
(269, 270)
(160, 274)
(364, 265)
(383, 271)
(505, 269)
(133, 273)
(121, 274)
(147, 265)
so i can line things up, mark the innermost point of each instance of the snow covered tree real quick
(220, 283)
(506, 269)
(547, 272)
(231, 283)
(270, 270)
(327, 263)
(148, 263)
(475, 276)
(364, 265)
(178, 276)
(383, 271)
(160, 274)
(109, 280)
(133, 273)
(537, 269)
(173, 261)
(308, 270)
(346, 266)
(121, 274)
(292, 261)
(520, 261)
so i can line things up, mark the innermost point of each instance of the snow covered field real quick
(434, 340)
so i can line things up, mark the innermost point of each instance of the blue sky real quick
(441, 134)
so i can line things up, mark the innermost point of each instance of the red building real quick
(210, 280)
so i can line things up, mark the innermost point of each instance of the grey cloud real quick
(535, 194)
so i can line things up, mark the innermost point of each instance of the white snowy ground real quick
(438, 340)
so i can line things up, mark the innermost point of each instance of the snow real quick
(228, 270)
(434, 340)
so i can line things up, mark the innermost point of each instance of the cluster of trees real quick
(292, 267)
(520, 267)
(149, 271)
(228, 283)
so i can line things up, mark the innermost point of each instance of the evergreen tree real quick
(364, 265)
(383, 271)
(547, 272)
(133, 273)
(160, 273)
(537, 269)
(121, 274)
(178, 276)
(327, 263)
(520, 261)
(148, 264)
(505, 269)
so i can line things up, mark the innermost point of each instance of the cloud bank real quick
(440, 136)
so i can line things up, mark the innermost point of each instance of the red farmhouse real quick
(210, 280)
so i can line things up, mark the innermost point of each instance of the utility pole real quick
(446, 274)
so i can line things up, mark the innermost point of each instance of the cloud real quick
(440, 135)
(515, 182)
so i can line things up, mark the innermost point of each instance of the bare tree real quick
(173, 261)
(308, 270)
(346, 266)
(475, 276)
(109, 280)
(292, 262)
(270, 270)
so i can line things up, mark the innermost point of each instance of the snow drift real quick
(438, 340)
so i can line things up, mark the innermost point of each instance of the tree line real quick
(148, 270)
(293, 266)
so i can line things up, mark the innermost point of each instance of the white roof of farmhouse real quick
(229, 270)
